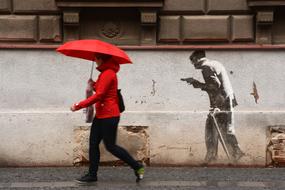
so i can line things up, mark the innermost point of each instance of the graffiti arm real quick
(212, 81)
(194, 82)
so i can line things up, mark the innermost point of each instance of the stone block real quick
(278, 28)
(5, 6)
(226, 6)
(133, 138)
(34, 6)
(205, 28)
(263, 34)
(242, 28)
(50, 28)
(184, 5)
(18, 28)
(71, 33)
(169, 28)
(148, 35)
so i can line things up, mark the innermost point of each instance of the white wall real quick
(38, 86)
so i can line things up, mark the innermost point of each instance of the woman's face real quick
(98, 61)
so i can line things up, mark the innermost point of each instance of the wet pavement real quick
(155, 178)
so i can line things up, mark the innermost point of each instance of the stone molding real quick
(108, 3)
(264, 17)
(71, 18)
(148, 17)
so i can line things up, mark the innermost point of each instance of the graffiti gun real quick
(189, 80)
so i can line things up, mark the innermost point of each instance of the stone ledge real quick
(237, 46)
(96, 3)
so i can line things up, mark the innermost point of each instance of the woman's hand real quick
(73, 108)
(91, 82)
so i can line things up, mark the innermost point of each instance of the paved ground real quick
(156, 178)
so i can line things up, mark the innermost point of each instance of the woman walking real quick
(105, 123)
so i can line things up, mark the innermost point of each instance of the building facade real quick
(165, 118)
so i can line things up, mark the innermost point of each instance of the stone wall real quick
(178, 22)
(30, 21)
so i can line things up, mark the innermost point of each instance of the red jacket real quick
(105, 96)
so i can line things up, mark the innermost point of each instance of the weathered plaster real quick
(37, 88)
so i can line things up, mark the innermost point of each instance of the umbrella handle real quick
(92, 68)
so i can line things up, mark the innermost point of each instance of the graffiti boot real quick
(238, 155)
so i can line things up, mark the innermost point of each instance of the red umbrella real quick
(87, 49)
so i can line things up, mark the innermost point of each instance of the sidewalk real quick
(155, 178)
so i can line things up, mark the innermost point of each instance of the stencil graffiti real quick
(220, 120)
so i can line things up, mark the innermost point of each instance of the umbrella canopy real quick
(87, 49)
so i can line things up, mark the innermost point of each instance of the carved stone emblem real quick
(111, 29)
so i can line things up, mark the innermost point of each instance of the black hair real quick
(198, 54)
(102, 56)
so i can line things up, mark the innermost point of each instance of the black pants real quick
(106, 130)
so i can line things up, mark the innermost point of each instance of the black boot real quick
(88, 178)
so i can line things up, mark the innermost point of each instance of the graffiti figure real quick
(220, 123)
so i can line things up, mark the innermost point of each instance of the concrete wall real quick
(37, 88)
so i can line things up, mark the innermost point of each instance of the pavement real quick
(190, 178)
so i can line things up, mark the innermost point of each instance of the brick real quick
(242, 28)
(50, 28)
(18, 28)
(184, 5)
(205, 28)
(169, 29)
(34, 6)
(227, 5)
(5, 6)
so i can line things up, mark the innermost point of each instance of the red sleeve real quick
(103, 85)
